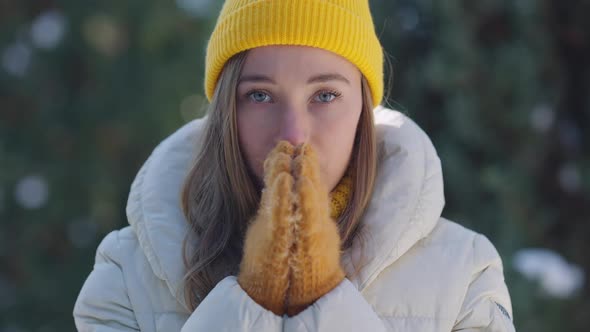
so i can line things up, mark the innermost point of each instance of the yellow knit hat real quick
(344, 27)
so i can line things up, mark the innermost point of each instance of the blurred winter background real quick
(88, 88)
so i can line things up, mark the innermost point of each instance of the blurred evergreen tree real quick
(87, 89)
(502, 89)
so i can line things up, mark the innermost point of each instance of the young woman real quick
(295, 204)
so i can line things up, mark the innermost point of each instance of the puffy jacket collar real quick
(406, 204)
(407, 200)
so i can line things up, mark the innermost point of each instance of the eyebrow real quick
(327, 77)
(321, 78)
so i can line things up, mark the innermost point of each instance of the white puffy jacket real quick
(422, 272)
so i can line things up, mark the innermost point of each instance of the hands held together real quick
(292, 246)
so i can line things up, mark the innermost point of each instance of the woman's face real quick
(299, 94)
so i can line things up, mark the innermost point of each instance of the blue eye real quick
(327, 96)
(259, 96)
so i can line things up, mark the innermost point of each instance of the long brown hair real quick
(219, 195)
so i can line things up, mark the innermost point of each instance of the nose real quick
(294, 127)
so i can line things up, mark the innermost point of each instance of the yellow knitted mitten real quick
(264, 269)
(315, 255)
(292, 247)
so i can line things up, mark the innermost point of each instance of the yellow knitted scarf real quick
(340, 196)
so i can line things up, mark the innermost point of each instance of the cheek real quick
(252, 139)
(335, 142)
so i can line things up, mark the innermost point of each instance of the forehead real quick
(277, 60)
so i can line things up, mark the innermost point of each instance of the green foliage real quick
(492, 82)
(500, 86)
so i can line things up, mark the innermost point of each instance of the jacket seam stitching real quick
(124, 277)
(414, 317)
